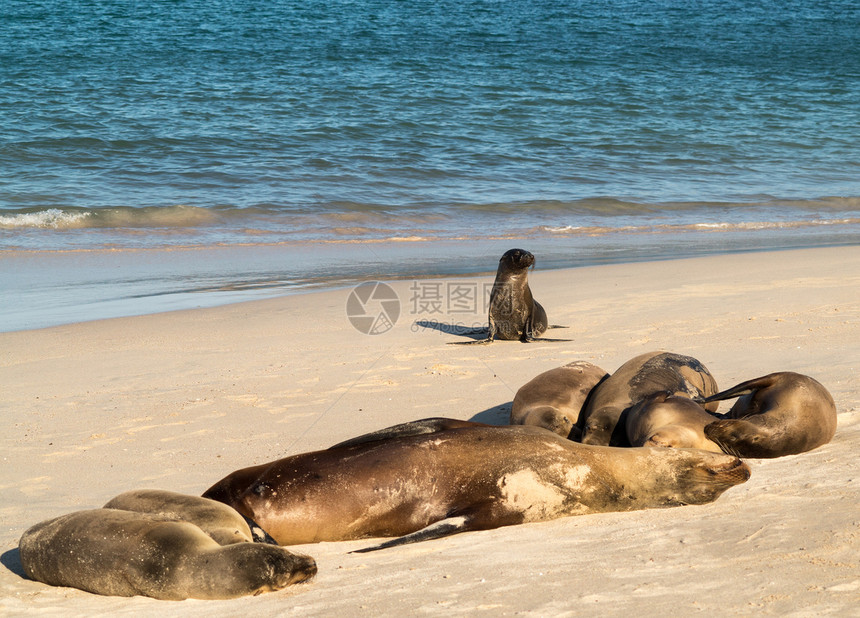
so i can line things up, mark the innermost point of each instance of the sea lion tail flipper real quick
(437, 530)
(744, 388)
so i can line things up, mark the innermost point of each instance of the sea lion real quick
(554, 399)
(514, 313)
(216, 519)
(427, 486)
(672, 421)
(604, 417)
(190, 548)
(782, 413)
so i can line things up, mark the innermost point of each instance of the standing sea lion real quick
(554, 399)
(514, 313)
(467, 478)
(183, 547)
(604, 418)
(778, 414)
(672, 421)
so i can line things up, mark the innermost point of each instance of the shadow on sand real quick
(461, 330)
(497, 415)
(12, 561)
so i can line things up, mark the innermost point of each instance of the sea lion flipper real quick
(257, 533)
(437, 530)
(413, 428)
(744, 388)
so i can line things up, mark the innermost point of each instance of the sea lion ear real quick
(657, 440)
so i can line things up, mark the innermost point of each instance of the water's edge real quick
(44, 289)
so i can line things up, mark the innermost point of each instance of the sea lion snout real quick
(723, 473)
(304, 568)
(735, 469)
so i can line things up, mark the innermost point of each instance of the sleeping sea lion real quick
(604, 418)
(184, 547)
(554, 399)
(778, 414)
(425, 486)
(672, 421)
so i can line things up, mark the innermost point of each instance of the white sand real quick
(178, 400)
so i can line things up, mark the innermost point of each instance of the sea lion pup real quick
(125, 553)
(469, 478)
(514, 313)
(778, 414)
(554, 399)
(604, 418)
(672, 421)
(216, 519)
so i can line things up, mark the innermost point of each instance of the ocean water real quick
(177, 153)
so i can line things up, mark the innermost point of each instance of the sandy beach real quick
(177, 400)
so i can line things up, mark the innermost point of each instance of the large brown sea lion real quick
(183, 547)
(604, 418)
(672, 421)
(778, 414)
(554, 399)
(430, 485)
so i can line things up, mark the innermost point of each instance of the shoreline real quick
(177, 400)
(45, 289)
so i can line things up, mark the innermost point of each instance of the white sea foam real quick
(722, 226)
(51, 218)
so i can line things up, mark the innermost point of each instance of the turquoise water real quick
(585, 129)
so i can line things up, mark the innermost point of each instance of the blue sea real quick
(180, 153)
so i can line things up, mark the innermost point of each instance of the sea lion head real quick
(692, 476)
(267, 568)
(603, 427)
(674, 436)
(516, 260)
(549, 417)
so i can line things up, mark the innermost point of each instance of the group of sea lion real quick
(663, 399)
(564, 453)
